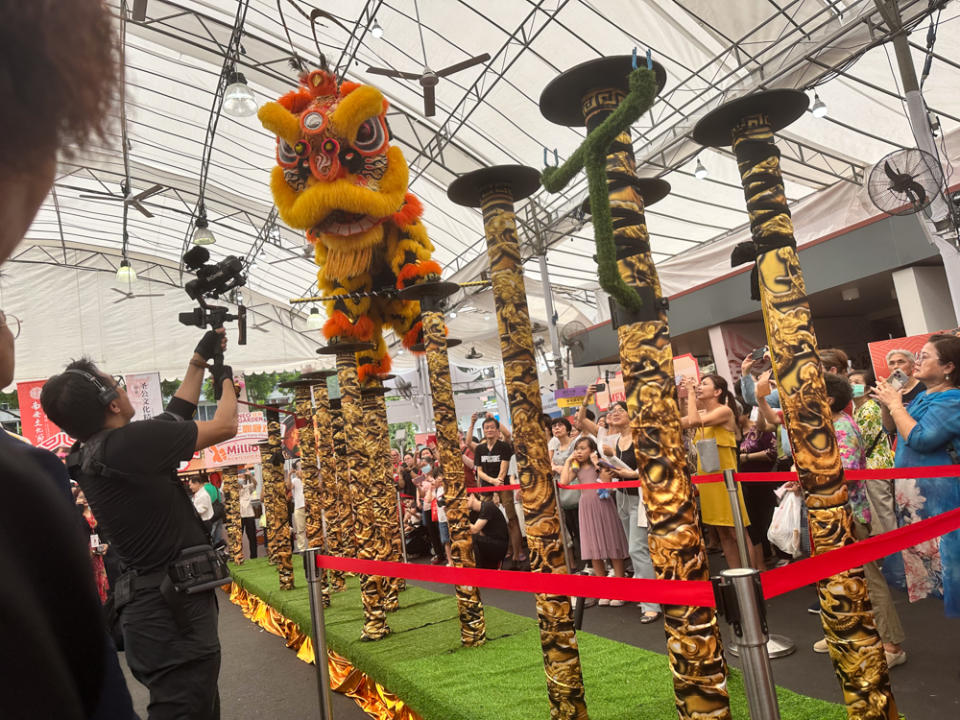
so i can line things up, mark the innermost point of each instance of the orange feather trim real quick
(296, 100)
(373, 370)
(337, 325)
(412, 336)
(410, 271)
(412, 209)
(431, 267)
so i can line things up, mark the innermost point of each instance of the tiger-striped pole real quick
(359, 462)
(330, 532)
(748, 124)
(473, 630)
(495, 189)
(588, 94)
(343, 503)
(379, 416)
(231, 502)
(275, 502)
(382, 496)
(309, 475)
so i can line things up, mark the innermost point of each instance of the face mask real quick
(859, 390)
(427, 468)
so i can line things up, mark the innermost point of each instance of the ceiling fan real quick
(129, 295)
(428, 78)
(127, 198)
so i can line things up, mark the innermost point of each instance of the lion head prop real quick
(339, 179)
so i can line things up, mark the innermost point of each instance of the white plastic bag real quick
(784, 529)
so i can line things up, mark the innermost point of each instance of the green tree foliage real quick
(10, 399)
(408, 441)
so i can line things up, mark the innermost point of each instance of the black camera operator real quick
(165, 600)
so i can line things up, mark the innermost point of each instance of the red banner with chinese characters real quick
(37, 427)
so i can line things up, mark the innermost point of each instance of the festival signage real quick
(36, 426)
(242, 449)
(570, 397)
(879, 350)
(143, 390)
(685, 366)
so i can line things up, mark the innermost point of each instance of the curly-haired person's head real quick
(58, 76)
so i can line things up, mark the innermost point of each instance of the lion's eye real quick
(286, 156)
(371, 137)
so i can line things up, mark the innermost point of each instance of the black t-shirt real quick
(496, 527)
(146, 514)
(488, 459)
(629, 458)
(909, 396)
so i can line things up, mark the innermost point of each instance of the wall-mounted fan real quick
(905, 181)
(405, 388)
(428, 78)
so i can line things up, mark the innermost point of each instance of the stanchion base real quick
(778, 646)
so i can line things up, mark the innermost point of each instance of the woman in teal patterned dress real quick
(928, 433)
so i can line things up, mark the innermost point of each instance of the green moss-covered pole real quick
(595, 94)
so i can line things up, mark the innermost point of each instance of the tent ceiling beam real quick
(230, 55)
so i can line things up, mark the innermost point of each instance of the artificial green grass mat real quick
(423, 662)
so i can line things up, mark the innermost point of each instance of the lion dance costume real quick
(339, 179)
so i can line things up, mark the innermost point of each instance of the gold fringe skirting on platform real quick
(373, 698)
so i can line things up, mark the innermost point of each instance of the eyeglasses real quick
(119, 382)
(925, 356)
(12, 322)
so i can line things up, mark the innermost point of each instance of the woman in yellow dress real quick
(712, 411)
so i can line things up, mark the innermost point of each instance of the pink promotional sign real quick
(37, 427)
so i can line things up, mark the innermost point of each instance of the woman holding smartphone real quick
(601, 534)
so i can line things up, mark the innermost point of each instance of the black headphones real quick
(105, 394)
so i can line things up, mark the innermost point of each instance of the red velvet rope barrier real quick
(933, 471)
(668, 592)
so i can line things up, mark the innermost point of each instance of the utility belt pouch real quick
(197, 569)
(123, 589)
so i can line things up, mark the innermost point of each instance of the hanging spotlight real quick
(452, 315)
(202, 235)
(819, 108)
(314, 319)
(376, 30)
(238, 98)
(701, 172)
(125, 273)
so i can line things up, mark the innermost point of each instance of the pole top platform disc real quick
(781, 106)
(388, 376)
(317, 375)
(561, 99)
(419, 291)
(468, 189)
(451, 342)
(652, 190)
(373, 391)
(344, 346)
(299, 382)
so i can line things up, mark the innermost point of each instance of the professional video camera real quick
(212, 281)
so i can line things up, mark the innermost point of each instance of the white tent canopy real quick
(487, 114)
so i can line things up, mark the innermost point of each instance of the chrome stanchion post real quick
(318, 633)
(740, 600)
(731, 484)
(778, 646)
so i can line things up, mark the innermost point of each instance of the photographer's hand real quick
(189, 389)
